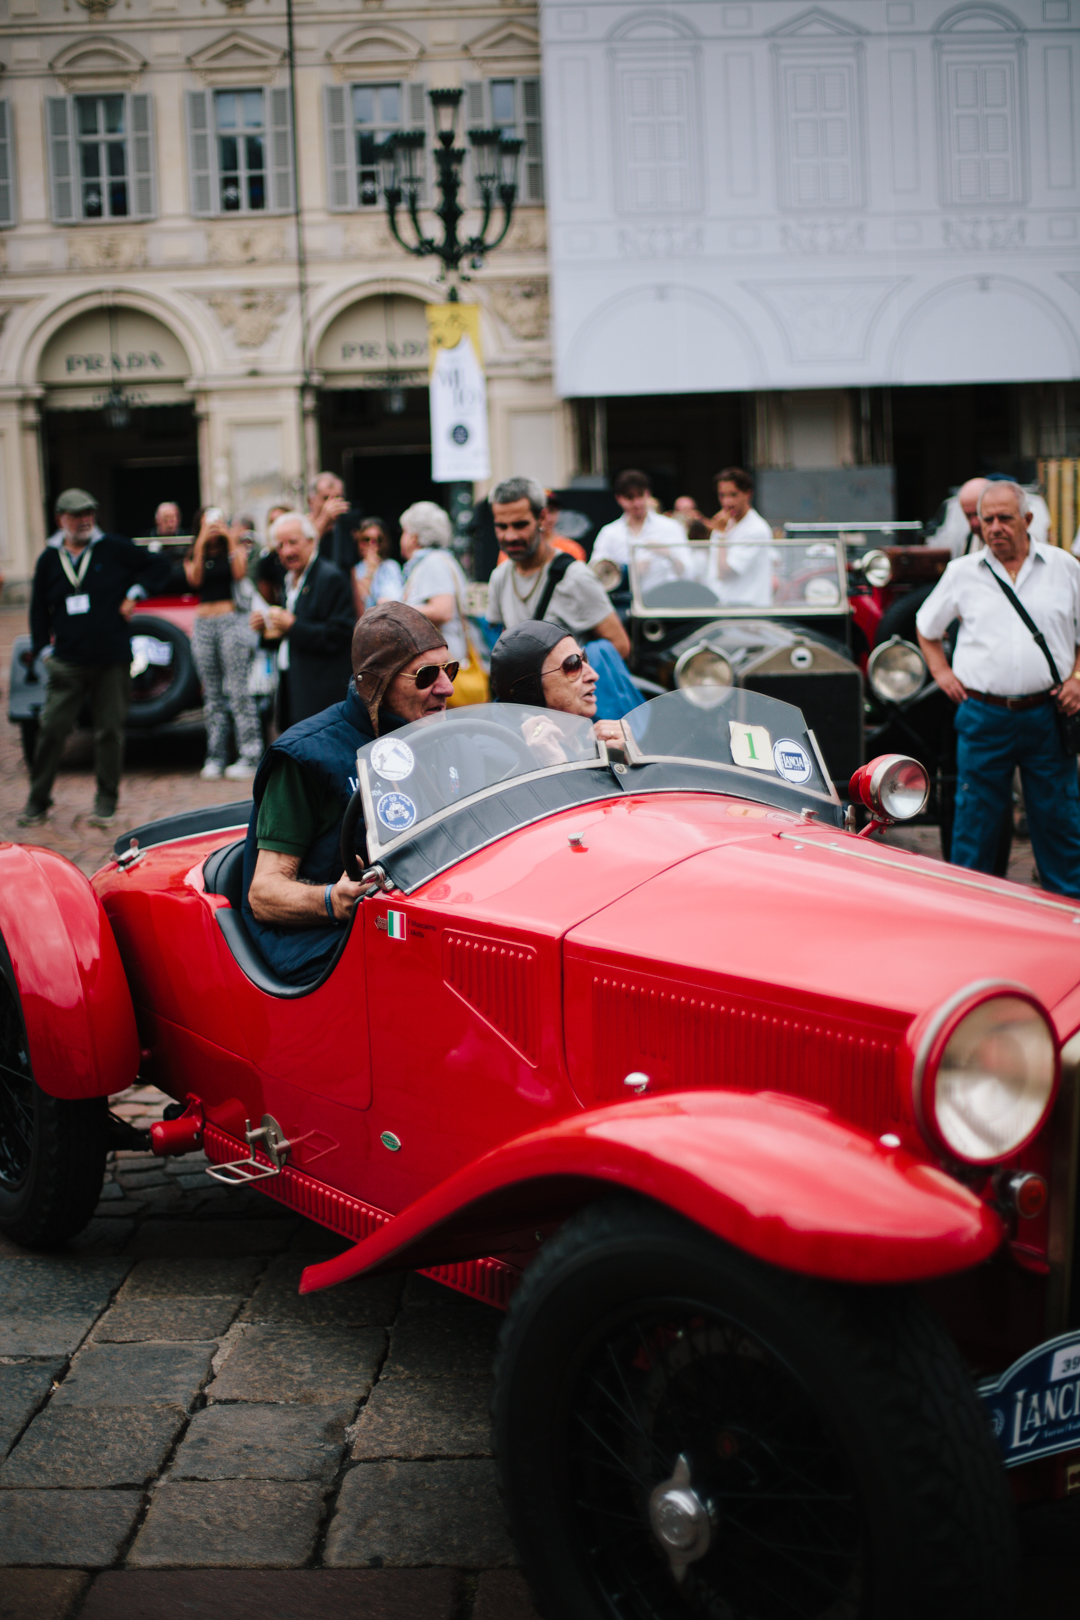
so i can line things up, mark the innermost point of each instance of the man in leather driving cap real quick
(296, 898)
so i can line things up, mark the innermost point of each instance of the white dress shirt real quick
(747, 551)
(615, 540)
(995, 651)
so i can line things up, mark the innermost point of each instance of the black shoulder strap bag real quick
(559, 566)
(1068, 724)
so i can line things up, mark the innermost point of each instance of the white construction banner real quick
(459, 423)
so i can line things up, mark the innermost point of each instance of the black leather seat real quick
(223, 873)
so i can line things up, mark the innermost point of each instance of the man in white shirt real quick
(1004, 688)
(669, 556)
(740, 557)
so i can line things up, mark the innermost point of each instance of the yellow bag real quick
(470, 683)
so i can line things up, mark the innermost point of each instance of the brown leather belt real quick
(1031, 702)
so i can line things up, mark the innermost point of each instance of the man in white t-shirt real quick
(669, 555)
(518, 588)
(740, 556)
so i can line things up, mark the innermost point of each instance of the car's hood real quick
(829, 919)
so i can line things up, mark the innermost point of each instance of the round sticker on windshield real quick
(791, 760)
(391, 759)
(396, 811)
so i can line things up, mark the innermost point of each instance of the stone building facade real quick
(161, 336)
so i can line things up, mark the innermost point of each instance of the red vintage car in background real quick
(763, 1134)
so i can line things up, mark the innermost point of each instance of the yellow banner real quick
(447, 324)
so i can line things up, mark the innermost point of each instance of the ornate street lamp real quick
(495, 157)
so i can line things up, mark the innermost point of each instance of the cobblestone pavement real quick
(185, 1435)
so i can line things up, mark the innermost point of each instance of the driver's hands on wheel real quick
(346, 894)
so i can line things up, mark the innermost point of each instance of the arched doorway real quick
(134, 449)
(374, 424)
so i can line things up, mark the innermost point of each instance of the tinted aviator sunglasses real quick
(428, 674)
(569, 666)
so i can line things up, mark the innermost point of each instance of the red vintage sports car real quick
(756, 1129)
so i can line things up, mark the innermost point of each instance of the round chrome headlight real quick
(876, 568)
(607, 572)
(822, 592)
(986, 1073)
(897, 670)
(702, 666)
(894, 786)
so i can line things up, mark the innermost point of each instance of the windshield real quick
(696, 577)
(449, 784)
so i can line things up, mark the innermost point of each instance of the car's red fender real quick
(777, 1177)
(75, 999)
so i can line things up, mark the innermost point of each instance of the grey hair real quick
(428, 522)
(1023, 505)
(307, 528)
(520, 489)
(318, 478)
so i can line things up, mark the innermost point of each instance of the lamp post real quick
(495, 157)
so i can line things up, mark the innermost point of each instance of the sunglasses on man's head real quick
(569, 666)
(428, 674)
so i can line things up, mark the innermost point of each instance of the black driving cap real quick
(517, 659)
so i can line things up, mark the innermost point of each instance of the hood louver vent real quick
(499, 979)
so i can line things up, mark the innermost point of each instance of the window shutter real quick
(340, 184)
(7, 166)
(475, 115)
(201, 153)
(281, 175)
(532, 157)
(142, 157)
(418, 105)
(65, 206)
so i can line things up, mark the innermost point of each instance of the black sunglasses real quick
(569, 666)
(428, 674)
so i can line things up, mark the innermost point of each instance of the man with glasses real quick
(1001, 682)
(296, 897)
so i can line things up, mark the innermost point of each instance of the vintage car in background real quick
(764, 1135)
(833, 631)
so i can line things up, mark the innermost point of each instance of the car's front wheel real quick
(52, 1151)
(684, 1433)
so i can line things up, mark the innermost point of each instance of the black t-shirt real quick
(217, 580)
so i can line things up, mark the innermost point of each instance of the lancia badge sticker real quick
(792, 760)
(392, 760)
(396, 811)
(1034, 1407)
(750, 746)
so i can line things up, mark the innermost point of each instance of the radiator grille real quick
(498, 978)
(688, 1041)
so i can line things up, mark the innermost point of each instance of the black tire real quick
(28, 731)
(833, 1432)
(52, 1151)
(899, 617)
(160, 691)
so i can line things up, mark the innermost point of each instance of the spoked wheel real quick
(684, 1433)
(52, 1151)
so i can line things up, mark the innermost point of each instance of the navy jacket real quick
(101, 636)
(325, 748)
(320, 642)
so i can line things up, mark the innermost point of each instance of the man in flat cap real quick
(82, 598)
(296, 899)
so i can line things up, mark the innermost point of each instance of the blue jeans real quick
(990, 744)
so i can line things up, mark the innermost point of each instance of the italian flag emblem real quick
(395, 924)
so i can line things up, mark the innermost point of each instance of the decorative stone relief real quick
(966, 235)
(823, 236)
(237, 59)
(369, 236)
(662, 242)
(106, 250)
(246, 244)
(824, 320)
(250, 315)
(523, 305)
(528, 234)
(97, 8)
(97, 64)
